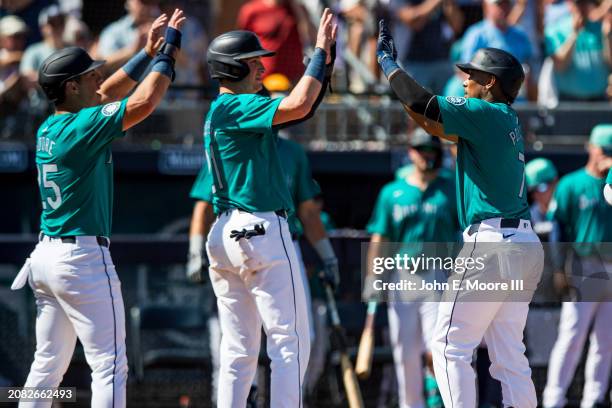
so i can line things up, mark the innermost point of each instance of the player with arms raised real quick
(492, 207)
(253, 264)
(71, 271)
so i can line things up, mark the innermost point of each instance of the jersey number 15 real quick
(43, 172)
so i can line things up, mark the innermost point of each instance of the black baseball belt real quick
(72, 239)
(503, 223)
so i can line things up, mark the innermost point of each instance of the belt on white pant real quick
(498, 223)
(72, 239)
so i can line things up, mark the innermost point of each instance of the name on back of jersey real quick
(44, 144)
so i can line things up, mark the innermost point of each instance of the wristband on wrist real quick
(137, 65)
(324, 249)
(316, 66)
(388, 65)
(164, 64)
(173, 36)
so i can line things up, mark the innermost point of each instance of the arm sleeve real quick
(315, 105)
(202, 187)
(252, 113)
(414, 96)
(381, 222)
(464, 116)
(102, 124)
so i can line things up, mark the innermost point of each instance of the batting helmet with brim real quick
(226, 53)
(62, 66)
(503, 65)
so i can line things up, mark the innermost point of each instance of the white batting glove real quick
(197, 260)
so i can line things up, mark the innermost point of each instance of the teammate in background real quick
(306, 221)
(584, 216)
(71, 272)
(492, 207)
(417, 208)
(253, 266)
(541, 177)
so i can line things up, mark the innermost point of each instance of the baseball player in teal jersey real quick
(492, 207)
(583, 216)
(417, 208)
(306, 219)
(71, 272)
(253, 266)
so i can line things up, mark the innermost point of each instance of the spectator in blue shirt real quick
(494, 31)
(581, 53)
(423, 32)
(51, 22)
(128, 34)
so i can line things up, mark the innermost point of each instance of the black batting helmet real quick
(506, 68)
(226, 52)
(62, 66)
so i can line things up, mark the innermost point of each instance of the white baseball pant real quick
(78, 294)
(462, 325)
(256, 281)
(574, 324)
(411, 328)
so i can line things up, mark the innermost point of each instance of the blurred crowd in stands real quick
(565, 45)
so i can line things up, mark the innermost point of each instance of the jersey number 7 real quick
(521, 158)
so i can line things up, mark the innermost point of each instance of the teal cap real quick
(539, 173)
(601, 136)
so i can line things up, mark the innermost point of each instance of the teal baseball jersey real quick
(404, 213)
(490, 159)
(297, 177)
(202, 187)
(240, 145)
(580, 208)
(75, 170)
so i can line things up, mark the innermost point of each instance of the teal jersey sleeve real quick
(381, 221)
(465, 117)
(100, 125)
(560, 208)
(251, 113)
(202, 187)
(609, 178)
(306, 187)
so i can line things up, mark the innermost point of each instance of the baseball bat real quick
(349, 378)
(363, 366)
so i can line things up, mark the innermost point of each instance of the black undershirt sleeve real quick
(315, 105)
(414, 96)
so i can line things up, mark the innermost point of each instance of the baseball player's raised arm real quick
(121, 83)
(420, 104)
(150, 92)
(299, 103)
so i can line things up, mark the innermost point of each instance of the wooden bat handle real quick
(353, 393)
